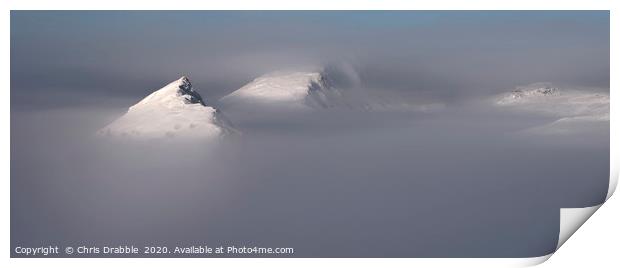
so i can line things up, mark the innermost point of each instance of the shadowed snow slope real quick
(174, 111)
(573, 110)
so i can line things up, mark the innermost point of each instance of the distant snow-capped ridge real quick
(572, 108)
(315, 89)
(176, 110)
(545, 98)
(532, 91)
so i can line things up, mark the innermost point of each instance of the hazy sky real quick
(439, 54)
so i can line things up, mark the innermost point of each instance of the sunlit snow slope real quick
(174, 111)
(294, 89)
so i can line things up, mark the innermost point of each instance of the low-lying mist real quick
(456, 182)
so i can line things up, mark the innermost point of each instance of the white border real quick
(282, 5)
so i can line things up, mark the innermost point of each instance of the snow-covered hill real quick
(176, 110)
(570, 109)
(292, 89)
(332, 86)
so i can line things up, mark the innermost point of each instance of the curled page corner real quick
(613, 180)
(527, 262)
(571, 219)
